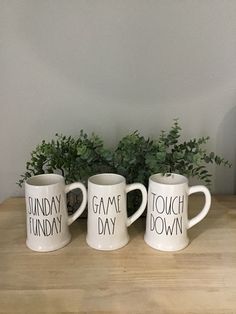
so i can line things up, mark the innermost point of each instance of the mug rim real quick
(54, 180)
(93, 179)
(178, 179)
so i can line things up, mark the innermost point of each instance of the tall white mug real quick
(47, 217)
(107, 211)
(167, 214)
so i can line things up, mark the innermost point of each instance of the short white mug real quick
(167, 214)
(47, 217)
(107, 211)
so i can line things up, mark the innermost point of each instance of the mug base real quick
(111, 247)
(49, 248)
(167, 248)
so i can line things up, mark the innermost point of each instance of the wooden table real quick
(134, 279)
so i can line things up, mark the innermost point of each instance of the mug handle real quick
(70, 187)
(138, 213)
(205, 210)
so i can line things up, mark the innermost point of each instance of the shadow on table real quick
(213, 220)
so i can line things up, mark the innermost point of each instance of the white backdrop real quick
(113, 67)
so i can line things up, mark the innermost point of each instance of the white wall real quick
(113, 66)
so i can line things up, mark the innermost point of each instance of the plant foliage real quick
(135, 157)
(76, 158)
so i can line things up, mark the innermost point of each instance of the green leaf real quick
(134, 156)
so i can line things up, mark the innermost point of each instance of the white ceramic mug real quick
(167, 215)
(107, 211)
(46, 211)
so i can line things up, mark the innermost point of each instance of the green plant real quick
(129, 158)
(76, 158)
(189, 158)
(135, 157)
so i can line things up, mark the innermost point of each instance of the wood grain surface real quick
(135, 279)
